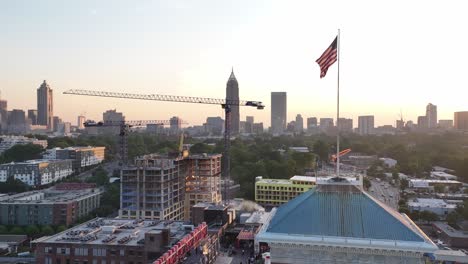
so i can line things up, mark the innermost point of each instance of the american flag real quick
(328, 58)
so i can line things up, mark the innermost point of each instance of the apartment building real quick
(36, 172)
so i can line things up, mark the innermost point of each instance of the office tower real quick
(461, 120)
(232, 93)
(326, 123)
(400, 124)
(3, 115)
(446, 124)
(366, 125)
(56, 121)
(32, 115)
(422, 122)
(311, 123)
(175, 125)
(257, 128)
(345, 125)
(214, 125)
(431, 114)
(81, 120)
(153, 188)
(45, 106)
(112, 116)
(299, 124)
(17, 121)
(278, 112)
(249, 119)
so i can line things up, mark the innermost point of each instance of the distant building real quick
(326, 123)
(214, 125)
(63, 128)
(345, 125)
(6, 142)
(232, 93)
(311, 123)
(56, 121)
(385, 130)
(446, 124)
(429, 184)
(278, 112)
(45, 106)
(275, 192)
(175, 125)
(163, 195)
(49, 206)
(299, 124)
(362, 161)
(423, 123)
(299, 149)
(80, 122)
(442, 175)
(110, 116)
(366, 125)
(3, 115)
(123, 241)
(400, 124)
(257, 128)
(461, 120)
(32, 115)
(389, 162)
(431, 114)
(437, 206)
(36, 172)
(17, 122)
(155, 128)
(249, 119)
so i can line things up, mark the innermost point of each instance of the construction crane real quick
(342, 153)
(124, 131)
(226, 104)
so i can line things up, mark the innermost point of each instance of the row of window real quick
(260, 187)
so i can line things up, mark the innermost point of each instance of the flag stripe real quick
(328, 58)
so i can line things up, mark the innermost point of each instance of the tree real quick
(32, 231)
(439, 188)
(47, 230)
(61, 228)
(201, 148)
(367, 184)
(17, 230)
(99, 177)
(20, 152)
(3, 229)
(321, 148)
(13, 186)
(404, 184)
(428, 216)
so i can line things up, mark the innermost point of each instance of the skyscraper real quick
(366, 125)
(461, 120)
(175, 124)
(3, 115)
(299, 124)
(431, 114)
(45, 106)
(232, 93)
(278, 112)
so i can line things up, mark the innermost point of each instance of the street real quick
(385, 192)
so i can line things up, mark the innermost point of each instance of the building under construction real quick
(153, 188)
(165, 188)
(202, 182)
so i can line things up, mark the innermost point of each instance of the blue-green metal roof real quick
(341, 214)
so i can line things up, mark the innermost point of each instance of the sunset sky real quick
(394, 55)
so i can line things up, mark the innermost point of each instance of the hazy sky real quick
(394, 55)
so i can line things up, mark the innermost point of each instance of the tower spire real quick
(232, 77)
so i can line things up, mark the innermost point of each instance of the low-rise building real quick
(36, 172)
(121, 241)
(275, 192)
(362, 161)
(437, 206)
(429, 184)
(451, 236)
(389, 162)
(49, 206)
(442, 175)
(6, 142)
(81, 156)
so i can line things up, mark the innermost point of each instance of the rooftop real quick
(110, 231)
(49, 196)
(343, 213)
(444, 227)
(430, 203)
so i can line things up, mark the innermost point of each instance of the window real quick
(81, 251)
(99, 252)
(122, 252)
(48, 260)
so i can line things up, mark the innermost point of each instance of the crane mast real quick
(225, 104)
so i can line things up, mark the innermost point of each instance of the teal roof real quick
(352, 214)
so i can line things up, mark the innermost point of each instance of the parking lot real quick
(385, 192)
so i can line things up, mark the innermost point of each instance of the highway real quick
(385, 192)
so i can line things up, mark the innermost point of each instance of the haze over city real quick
(390, 60)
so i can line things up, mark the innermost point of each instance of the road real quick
(12, 260)
(385, 192)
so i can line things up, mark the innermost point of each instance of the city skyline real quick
(178, 48)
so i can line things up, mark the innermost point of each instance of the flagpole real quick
(338, 109)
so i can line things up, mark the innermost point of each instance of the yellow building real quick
(275, 192)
